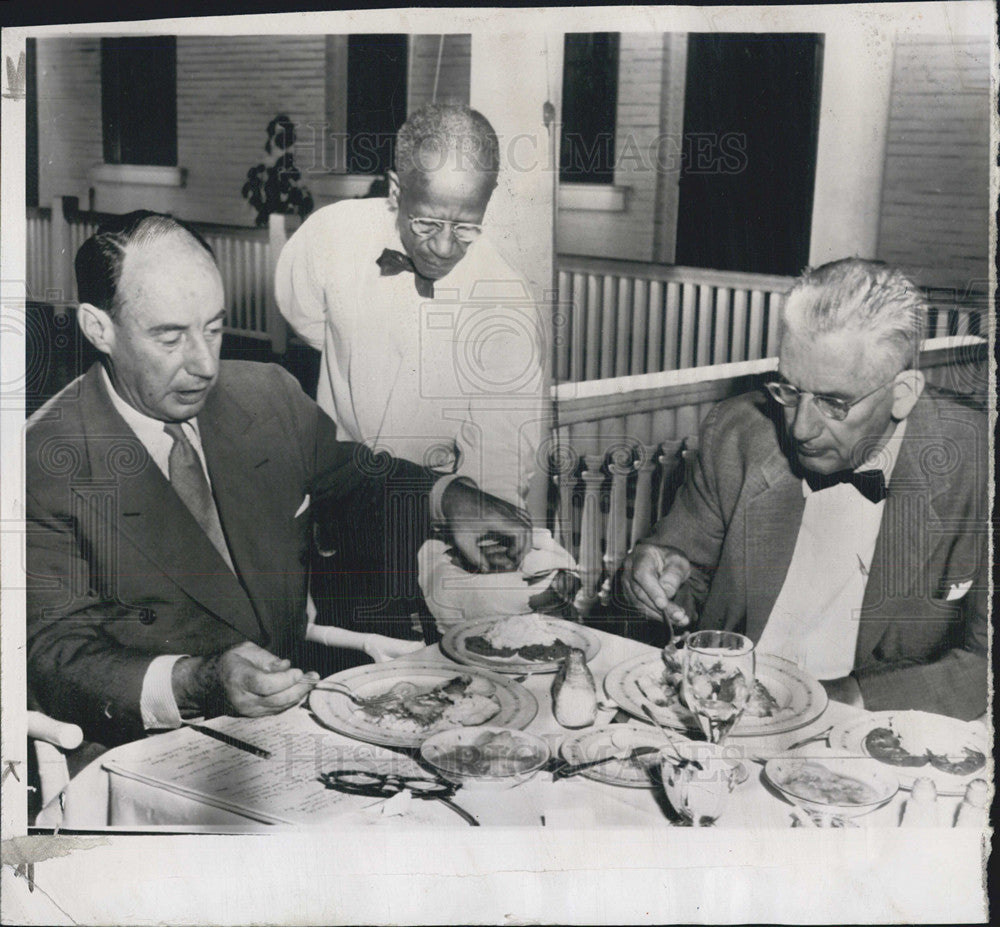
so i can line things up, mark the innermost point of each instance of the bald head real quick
(100, 262)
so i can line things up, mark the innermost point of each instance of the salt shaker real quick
(973, 811)
(921, 808)
(574, 696)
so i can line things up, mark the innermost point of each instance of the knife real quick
(633, 754)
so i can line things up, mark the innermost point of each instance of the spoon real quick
(680, 759)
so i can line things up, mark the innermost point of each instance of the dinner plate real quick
(517, 705)
(599, 742)
(918, 732)
(800, 697)
(574, 635)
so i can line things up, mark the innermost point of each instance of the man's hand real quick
(651, 577)
(491, 534)
(245, 680)
(256, 683)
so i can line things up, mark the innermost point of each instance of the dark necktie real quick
(190, 483)
(395, 262)
(870, 483)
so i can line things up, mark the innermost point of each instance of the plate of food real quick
(638, 770)
(519, 644)
(783, 699)
(403, 703)
(916, 744)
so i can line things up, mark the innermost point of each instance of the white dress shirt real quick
(420, 378)
(157, 703)
(815, 618)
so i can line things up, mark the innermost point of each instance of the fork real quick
(373, 701)
(821, 735)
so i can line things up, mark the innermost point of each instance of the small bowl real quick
(699, 787)
(485, 756)
(853, 786)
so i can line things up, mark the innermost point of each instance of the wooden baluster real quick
(671, 327)
(621, 462)
(654, 343)
(594, 313)
(704, 355)
(642, 520)
(668, 460)
(640, 322)
(590, 534)
(739, 344)
(688, 419)
(773, 320)
(624, 316)
(564, 467)
(720, 348)
(277, 328)
(609, 326)
(579, 327)
(755, 349)
(689, 292)
(562, 327)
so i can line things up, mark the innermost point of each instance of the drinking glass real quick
(718, 679)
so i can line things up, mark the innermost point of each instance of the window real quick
(139, 100)
(376, 100)
(590, 99)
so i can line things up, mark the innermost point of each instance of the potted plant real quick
(276, 187)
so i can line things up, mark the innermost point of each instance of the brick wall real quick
(935, 191)
(69, 116)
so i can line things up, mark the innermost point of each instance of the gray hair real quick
(447, 134)
(868, 297)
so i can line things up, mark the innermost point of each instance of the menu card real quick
(284, 789)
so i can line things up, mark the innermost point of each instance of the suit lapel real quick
(154, 519)
(773, 517)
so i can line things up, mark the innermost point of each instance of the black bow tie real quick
(395, 262)
(870, 483)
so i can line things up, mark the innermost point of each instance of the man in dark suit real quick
(169, 497)
(840, 521)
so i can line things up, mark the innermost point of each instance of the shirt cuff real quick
(437, 495)
(157, 702)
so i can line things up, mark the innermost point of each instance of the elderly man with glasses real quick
(431, 343)
(839, 519)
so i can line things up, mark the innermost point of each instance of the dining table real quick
(95, 799)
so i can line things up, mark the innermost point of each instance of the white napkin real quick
(454, 595)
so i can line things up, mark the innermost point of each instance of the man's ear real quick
(392, 178)
(96, 326)
(906, 391)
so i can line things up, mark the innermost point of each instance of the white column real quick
(512, 75)
(850, 157)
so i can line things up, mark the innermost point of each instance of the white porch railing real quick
(246, 259)
(624, 318)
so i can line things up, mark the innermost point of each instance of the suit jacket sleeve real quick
(696, 524)
(78, 672)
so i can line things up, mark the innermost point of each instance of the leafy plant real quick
(277, 187)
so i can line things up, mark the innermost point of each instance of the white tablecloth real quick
(576, 802)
